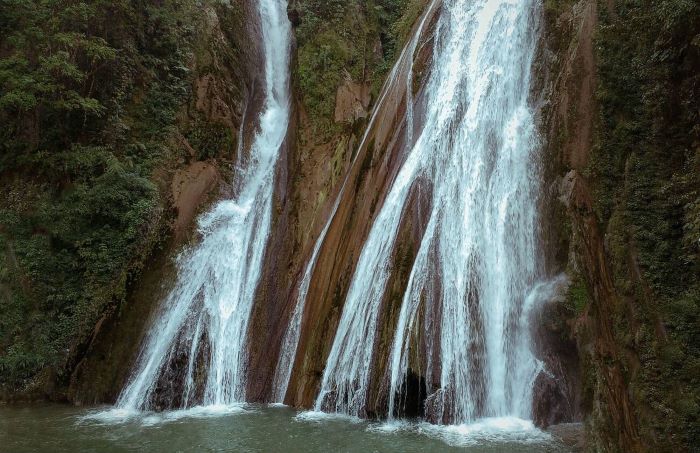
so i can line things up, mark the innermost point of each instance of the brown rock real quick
(572, 435)
(191, 187)
(351, 101)
(373, 169)
(557, 390)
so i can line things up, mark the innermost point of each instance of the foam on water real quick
(115, 416)
(319, 417)
(486, 431)
(496, 430)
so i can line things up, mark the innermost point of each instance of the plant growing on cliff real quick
(88, 96)
(645, 172)
(359, 38)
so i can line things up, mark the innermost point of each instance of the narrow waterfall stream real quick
(202, 327)
(464, 307)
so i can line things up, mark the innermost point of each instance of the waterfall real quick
(403, 68)
(466, 298)
(203, 323)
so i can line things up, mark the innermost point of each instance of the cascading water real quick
(205, 317)
(477, 261)
(402, 68)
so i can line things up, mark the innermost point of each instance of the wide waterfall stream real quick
(464, 307)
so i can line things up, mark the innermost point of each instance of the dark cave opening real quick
(411, 397)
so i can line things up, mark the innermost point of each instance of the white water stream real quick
(206, 314)
(476, 156)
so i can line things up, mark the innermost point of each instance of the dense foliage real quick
(646, 173)
(89, 91)
(346, 38)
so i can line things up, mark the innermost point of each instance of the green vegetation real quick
(645, 170)
(577, 297)
(357, 38)
(89, 95)
(557, 7)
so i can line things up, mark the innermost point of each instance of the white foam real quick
(115, 416)
(495, 430)
(319, 416)
(110, 416)
(487, 430)
(216, 410)
(277, 405)
(391, 426)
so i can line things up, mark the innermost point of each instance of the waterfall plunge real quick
(206, 314)
(477, 261)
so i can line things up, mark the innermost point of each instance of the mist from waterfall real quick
(200, 332)
(464, 311)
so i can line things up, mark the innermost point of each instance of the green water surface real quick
(58, 429)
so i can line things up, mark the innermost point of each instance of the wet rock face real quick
(564, 75)
(573, 435)
(557, 389)
(594, 385)
(376, 163)
(412, 396)
(548, 401)
(352, 101)
(191, 187)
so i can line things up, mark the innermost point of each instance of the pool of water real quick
(59, 429)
